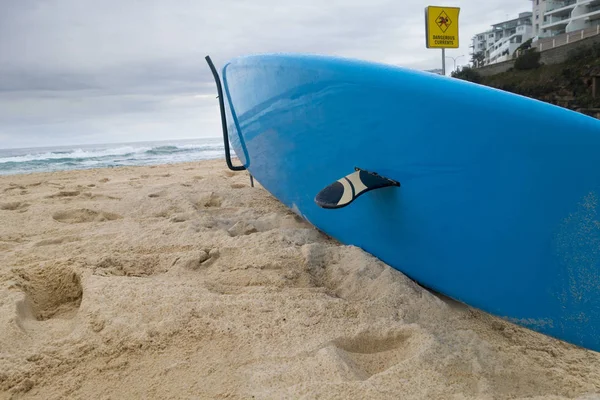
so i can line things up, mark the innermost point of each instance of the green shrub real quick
(529, 59)
(467, 74)
(523, 47)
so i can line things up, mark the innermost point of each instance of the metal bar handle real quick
(223, 118)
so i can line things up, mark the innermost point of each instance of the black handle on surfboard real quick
(223, 118)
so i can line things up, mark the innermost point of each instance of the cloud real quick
(72, 69)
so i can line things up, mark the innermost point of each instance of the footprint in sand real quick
(182, 217)
(13, 206)
(64, 193)
(91, 196)
(14, 186)
(370, 353)
(121, 265)
(52, 291)
(194, 260)
(157, 194)
(5, 246)
(57, 241)
(56, 185)
(207, 200)
(242, 228)
(238, 186)
(277, 221)
(84, 215)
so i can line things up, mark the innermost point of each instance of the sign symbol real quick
(443, 21)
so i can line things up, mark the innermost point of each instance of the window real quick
(537, 16)
(537, 2)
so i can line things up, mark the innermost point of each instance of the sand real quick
(182, 281)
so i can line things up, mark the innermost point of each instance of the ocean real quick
(46, 159)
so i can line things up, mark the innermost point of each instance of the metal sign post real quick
(444, 62)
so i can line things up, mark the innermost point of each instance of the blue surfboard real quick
(485, 196)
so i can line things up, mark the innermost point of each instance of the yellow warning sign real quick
(441, 25)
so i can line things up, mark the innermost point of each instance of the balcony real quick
(590, 12)
(588, 2)
(559, 6)
(561, 11)
(591, 16)
(556, 23)
(593, 8)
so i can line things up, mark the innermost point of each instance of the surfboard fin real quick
(344, 191)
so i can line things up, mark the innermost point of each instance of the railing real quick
(552, 20)
(566, 38)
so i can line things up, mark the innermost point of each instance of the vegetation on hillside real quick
(528, 59)
(567, 84)
(477, 59)
(467, 74)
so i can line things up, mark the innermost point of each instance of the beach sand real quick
(182, 281)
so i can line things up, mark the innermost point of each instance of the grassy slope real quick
(567, 84)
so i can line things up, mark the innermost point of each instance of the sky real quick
(110, 71)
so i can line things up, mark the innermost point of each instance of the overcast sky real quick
(104, 71)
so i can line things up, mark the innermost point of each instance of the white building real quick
(499, 43)
(482, 41)
(554, 17)
(539, 9)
